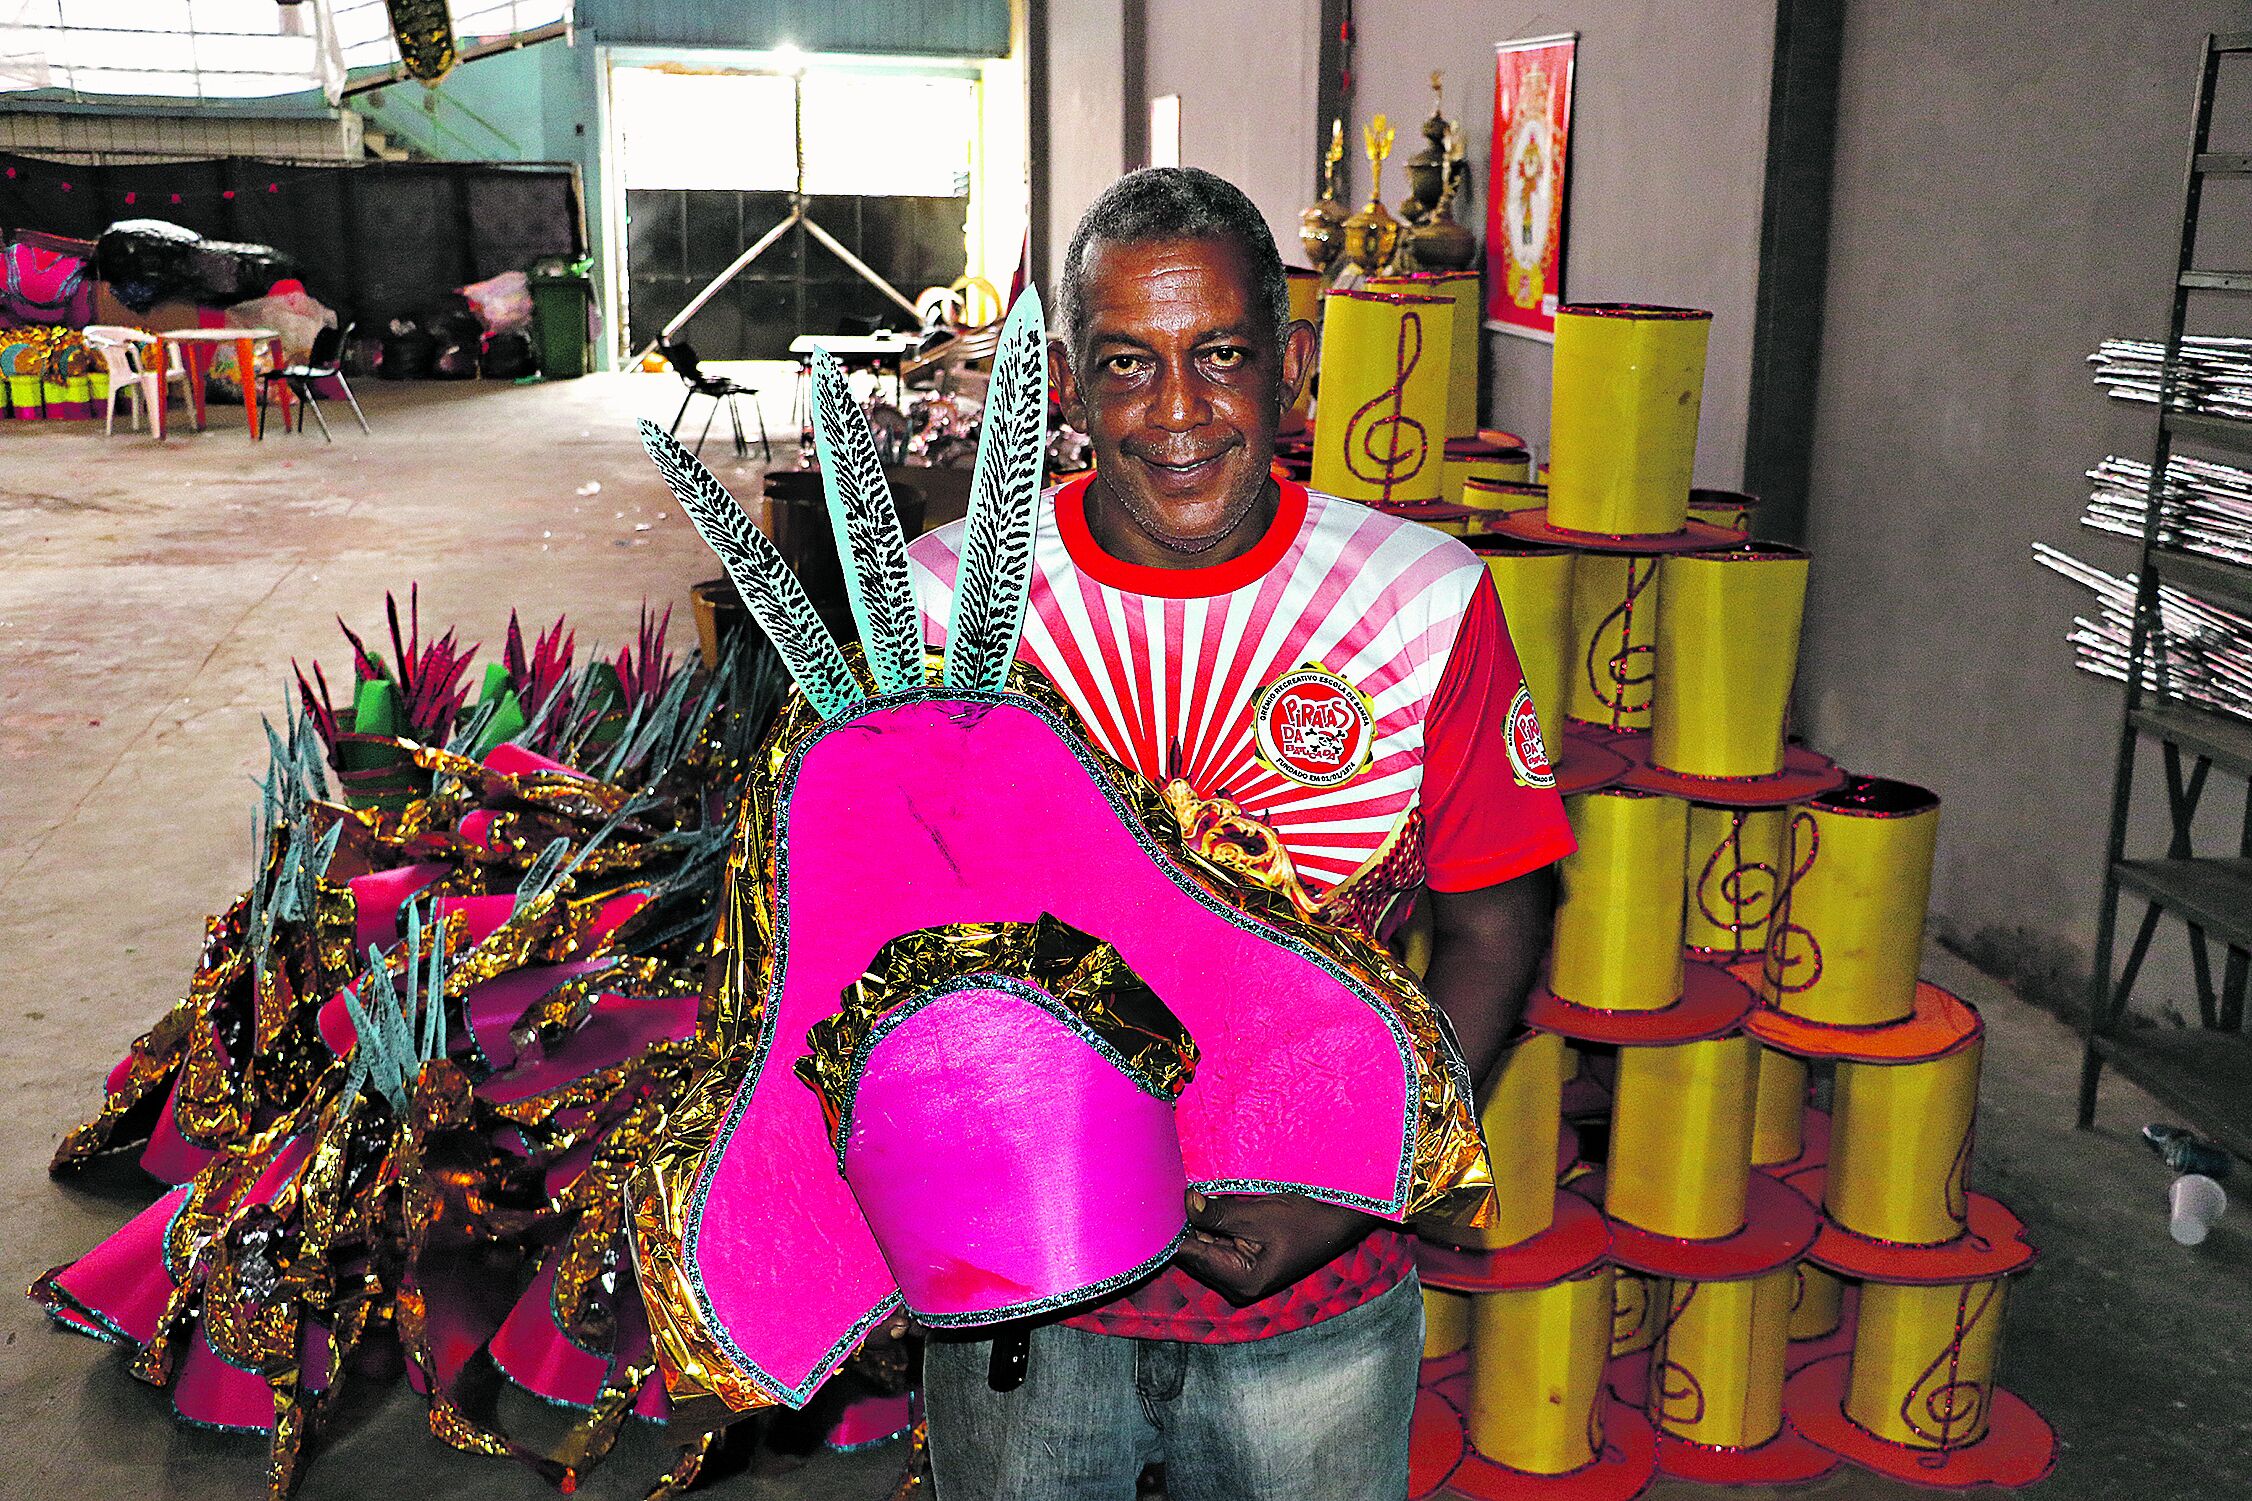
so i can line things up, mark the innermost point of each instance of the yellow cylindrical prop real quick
(1849, 928)
(1446, 1322)
(1536, 1373)
(1614, 639)
(1470, 459)
(1817, 1302)
(1779, 1113)
(1618, 922)
(1638, 1311)
(1922, 1372)
(1622, 434)
(1535, 586)
(1716, 1378)
(1681, 1138)
(1305, 307)
(1465, 290)
(1900, 1146)
(1502, 496)
(1522, 1117)
(1382, 426)
(1728, 629)
(1729, 508)
(1735, 865)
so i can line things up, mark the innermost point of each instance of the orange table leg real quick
(246, 375)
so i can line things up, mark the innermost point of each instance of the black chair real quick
(719, 388)
(324, 362)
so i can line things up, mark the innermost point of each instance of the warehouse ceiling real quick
(85, 50)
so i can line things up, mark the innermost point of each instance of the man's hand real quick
(1250, 1246)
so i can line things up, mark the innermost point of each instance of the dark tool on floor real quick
(324, 362)
(2185, 1151)
(682, 358)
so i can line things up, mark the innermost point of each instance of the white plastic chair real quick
(120, 349)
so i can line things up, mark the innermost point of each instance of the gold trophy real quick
(1373, 234)
(1321, 227)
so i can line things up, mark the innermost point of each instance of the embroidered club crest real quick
(1314, 727)
(1528, 757)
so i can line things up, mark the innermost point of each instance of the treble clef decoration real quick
(1947, 1414)
(1676, 1396)
(1736, 896)
(1791, 947)
(1613, 675)
(1374, 451)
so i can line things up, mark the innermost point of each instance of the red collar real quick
(1176, 583)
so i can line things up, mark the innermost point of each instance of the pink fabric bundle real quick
(942, 811)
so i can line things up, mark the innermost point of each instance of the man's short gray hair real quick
(1172, 203)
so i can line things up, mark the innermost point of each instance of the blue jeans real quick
(1318, 1414)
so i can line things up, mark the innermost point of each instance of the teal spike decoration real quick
(995, 577)
(771, 592)
(398, 1031)
(869, 539)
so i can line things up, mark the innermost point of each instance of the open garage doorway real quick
(915, 166)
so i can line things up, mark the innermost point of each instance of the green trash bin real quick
(559, 324)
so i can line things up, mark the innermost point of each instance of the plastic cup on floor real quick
(2196, 1201)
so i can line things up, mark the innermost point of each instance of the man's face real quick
(1179, 384)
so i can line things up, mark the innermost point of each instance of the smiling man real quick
(1332, 692)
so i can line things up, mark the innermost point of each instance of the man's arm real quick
(1486, 946)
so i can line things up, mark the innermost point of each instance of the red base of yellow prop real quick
(1622, 1472)
(1940, 1024)
(1443, 1368)
(1785, 1459)
(1780, 1223)
(1805, 774)
(1436, 1443)
(1993, 1245)
(1534, 526)
(1579, 1239)
(2018, 1448)
(1713, 1002)
(1588, 761)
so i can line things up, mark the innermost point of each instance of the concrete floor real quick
(150, 601)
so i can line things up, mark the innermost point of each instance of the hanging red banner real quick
(1525, 200)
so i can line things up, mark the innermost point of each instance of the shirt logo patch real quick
(1528, 757)
(1314, 727)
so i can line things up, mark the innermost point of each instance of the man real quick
(1337, 682)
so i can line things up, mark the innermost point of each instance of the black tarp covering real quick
(375, 241)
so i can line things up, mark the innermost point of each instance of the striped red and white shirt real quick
(1347, 684)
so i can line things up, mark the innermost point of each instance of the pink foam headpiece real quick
(1012, 1165)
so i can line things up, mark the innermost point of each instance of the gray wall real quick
(2008, 184)
(1247, 97)
(1085, 49)
(1668, 163)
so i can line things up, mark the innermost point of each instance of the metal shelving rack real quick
(2205, 1072)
